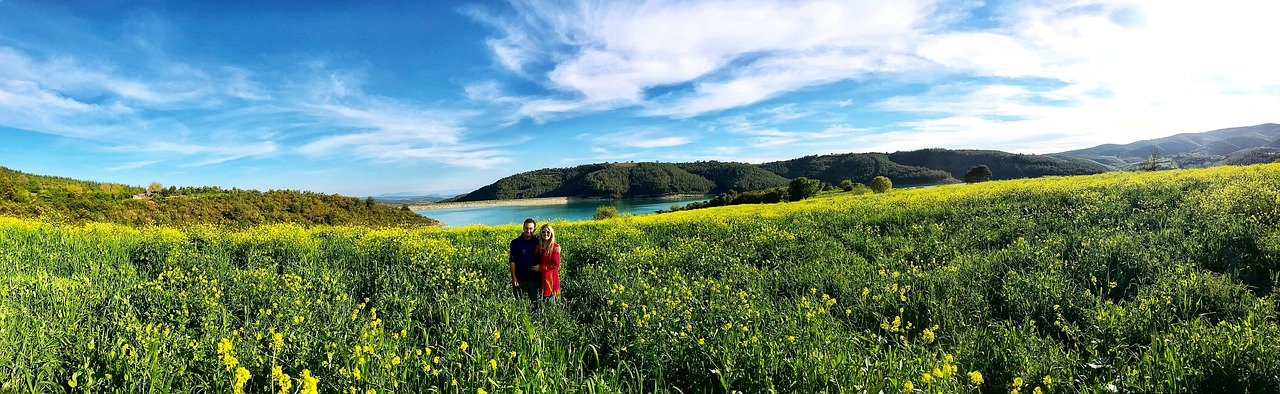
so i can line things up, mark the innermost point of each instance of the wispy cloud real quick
(229, 114)
(608, 54)
(642, 138)
(1117, 72)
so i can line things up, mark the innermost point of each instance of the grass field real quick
(1150, 282)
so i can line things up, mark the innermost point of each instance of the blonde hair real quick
(545, 244)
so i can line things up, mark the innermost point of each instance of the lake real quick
(576, 210)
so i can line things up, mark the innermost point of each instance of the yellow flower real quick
(908, 387)
(281, 379)
(277, 341)
(928, 335)
(371, 391)
(493, 364)
(309, 383)
(242, 376)
(481, 391)
(1037, 391)
(464, 346)
(513, 354)
(1017, 382)
(975, 377)
(356, 373)
(224, 350)
(1048, 381)
(395, 360)
(926, 378)
(496, 335)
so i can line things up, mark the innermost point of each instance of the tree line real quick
(74, 201)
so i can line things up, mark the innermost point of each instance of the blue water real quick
(577, 210)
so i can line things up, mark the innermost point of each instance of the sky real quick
(443, 97)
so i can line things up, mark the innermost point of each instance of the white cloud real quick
(642, 138)
(608, 54)
(386, 130)
(1074, 71)
(1121, 71)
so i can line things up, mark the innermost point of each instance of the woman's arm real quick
(555, 259)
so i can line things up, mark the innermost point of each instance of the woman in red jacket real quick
(549, 262)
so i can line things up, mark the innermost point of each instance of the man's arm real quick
(511, 256)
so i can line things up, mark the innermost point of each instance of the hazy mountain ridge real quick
(1230, 146)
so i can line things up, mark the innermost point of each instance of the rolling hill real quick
(1003, 165)
(1189, 150)
(69, 200)
(625, 180)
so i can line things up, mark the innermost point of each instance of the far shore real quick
(522, 202)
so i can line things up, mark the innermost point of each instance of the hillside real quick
(1003, 165)
(624, 180)
(68, 200)
(1129, 282)
(1186, 150)
(858, 167)
(735, 176)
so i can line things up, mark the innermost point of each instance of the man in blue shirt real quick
(523, 256)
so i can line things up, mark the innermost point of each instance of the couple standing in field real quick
(535, 263)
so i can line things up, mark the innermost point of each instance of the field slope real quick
(1128, 282)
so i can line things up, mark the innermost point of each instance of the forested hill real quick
(858, 167)
(616, 180)
(1003, 165)
(60, 199)
(596, 180)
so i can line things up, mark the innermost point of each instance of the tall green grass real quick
(1154, 282)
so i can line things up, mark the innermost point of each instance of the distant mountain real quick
(1187, 150)
(412, 195)
(409, 198)
(858, 167)
(58, 199)
(1003, 165)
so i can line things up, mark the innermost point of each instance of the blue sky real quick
(365, 98)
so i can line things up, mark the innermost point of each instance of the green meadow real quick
(1118, 282)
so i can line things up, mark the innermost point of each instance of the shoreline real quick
(527, 202)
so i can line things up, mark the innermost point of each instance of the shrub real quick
(606, 212)
(881, 184)
(979, 173)
(802, 188)
(846, 185)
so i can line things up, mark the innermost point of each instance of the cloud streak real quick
(229, 115)
(603, 55)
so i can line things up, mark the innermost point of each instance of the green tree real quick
(979, 173)
(606, 212)
(846, 185)
(155, 187)
(802, 188)
(881, 184)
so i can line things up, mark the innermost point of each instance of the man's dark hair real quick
(530, 220)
